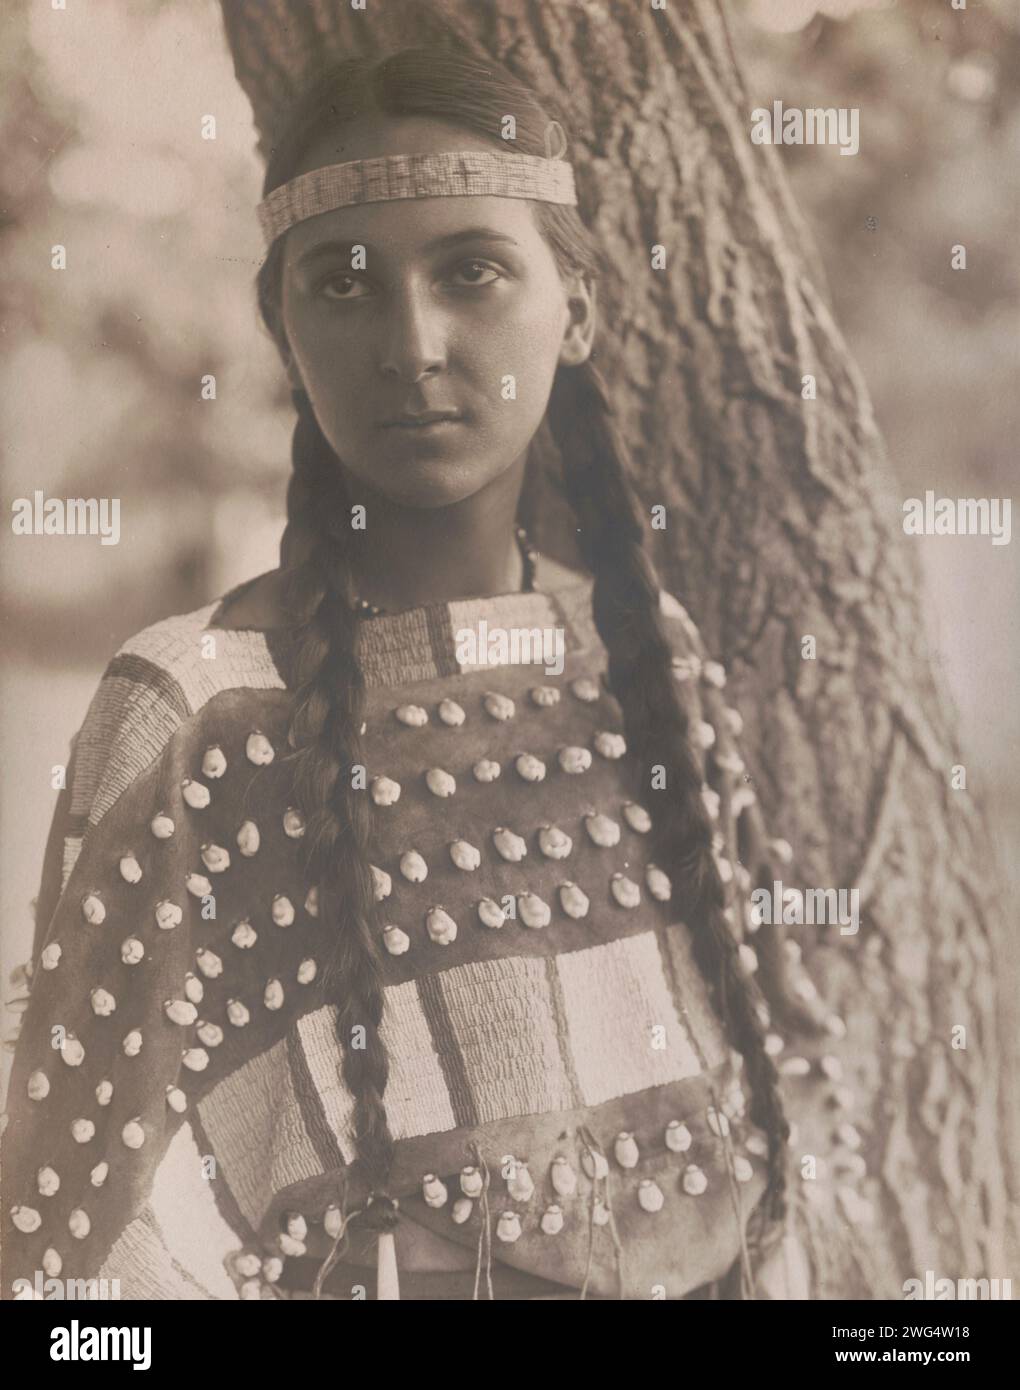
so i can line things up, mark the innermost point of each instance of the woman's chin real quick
(427, 482)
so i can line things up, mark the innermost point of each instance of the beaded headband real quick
(456, 174)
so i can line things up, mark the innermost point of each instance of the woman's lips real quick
(427, 421)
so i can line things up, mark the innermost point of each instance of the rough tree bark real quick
(781, 524)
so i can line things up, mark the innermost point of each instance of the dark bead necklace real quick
(529, 554)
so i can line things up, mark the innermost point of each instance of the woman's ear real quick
(290, 367)
(582, 300)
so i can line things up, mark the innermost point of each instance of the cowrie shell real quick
(552, 1220)
(509, 845)
(130, 869)
(530, 768)
(586, 689)
(596, 1165)
(574, 759)
(282, 910)
(433, 1191)
(168, 916)
(554, 842)
(573, 900)
(214, 763)
(196, 794)
(180, 1011)
(133, 1134)
(563, 1177)
(412, 715)
(520, 1184)
(650, 1197)
(92, 910)
(385, 792)
(637, 817)
(678, 1137)
(209, 963)
(79, 1224)
(103, 1002)
(48, 1181)
(544, 696)
(625, 1150)
(258, 749)
(440, 926)
(625, 890)
(215, 858)
(491, 914)
(249, 839)
(694, 1180)
(382, 884)
(440, 783)
(471, 1182)
(211, 1034)
(465, 856)
(610, 745)
(508, 1227)
(499, 706)
(533, 911)
(451, 713)
(413, 866)
(659, 884)
(395, 940)
(244, 935)
(602, 830)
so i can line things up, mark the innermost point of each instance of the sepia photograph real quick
(511, 653)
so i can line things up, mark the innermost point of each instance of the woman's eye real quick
(340, 287)
(474, 270)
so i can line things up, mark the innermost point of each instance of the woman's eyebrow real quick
(344, 248)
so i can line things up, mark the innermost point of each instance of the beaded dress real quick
(561, 1095)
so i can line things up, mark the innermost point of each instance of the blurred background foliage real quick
(101, 114)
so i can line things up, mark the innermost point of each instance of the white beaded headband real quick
(455, 174)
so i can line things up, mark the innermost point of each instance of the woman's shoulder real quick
(158, 682)
(186, 642)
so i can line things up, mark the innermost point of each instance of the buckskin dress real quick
(561, 1094)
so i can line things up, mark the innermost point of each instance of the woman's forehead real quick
(408, 227)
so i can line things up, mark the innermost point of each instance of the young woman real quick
(391, 940)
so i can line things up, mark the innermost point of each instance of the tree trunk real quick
(781, 525)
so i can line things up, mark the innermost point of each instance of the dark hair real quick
(317, 553)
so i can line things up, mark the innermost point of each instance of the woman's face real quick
(456, 306)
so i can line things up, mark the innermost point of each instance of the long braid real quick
(325, 738)
(625, 605)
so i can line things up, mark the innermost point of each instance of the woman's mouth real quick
(427, 422)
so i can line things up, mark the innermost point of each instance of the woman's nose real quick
(414, 344)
